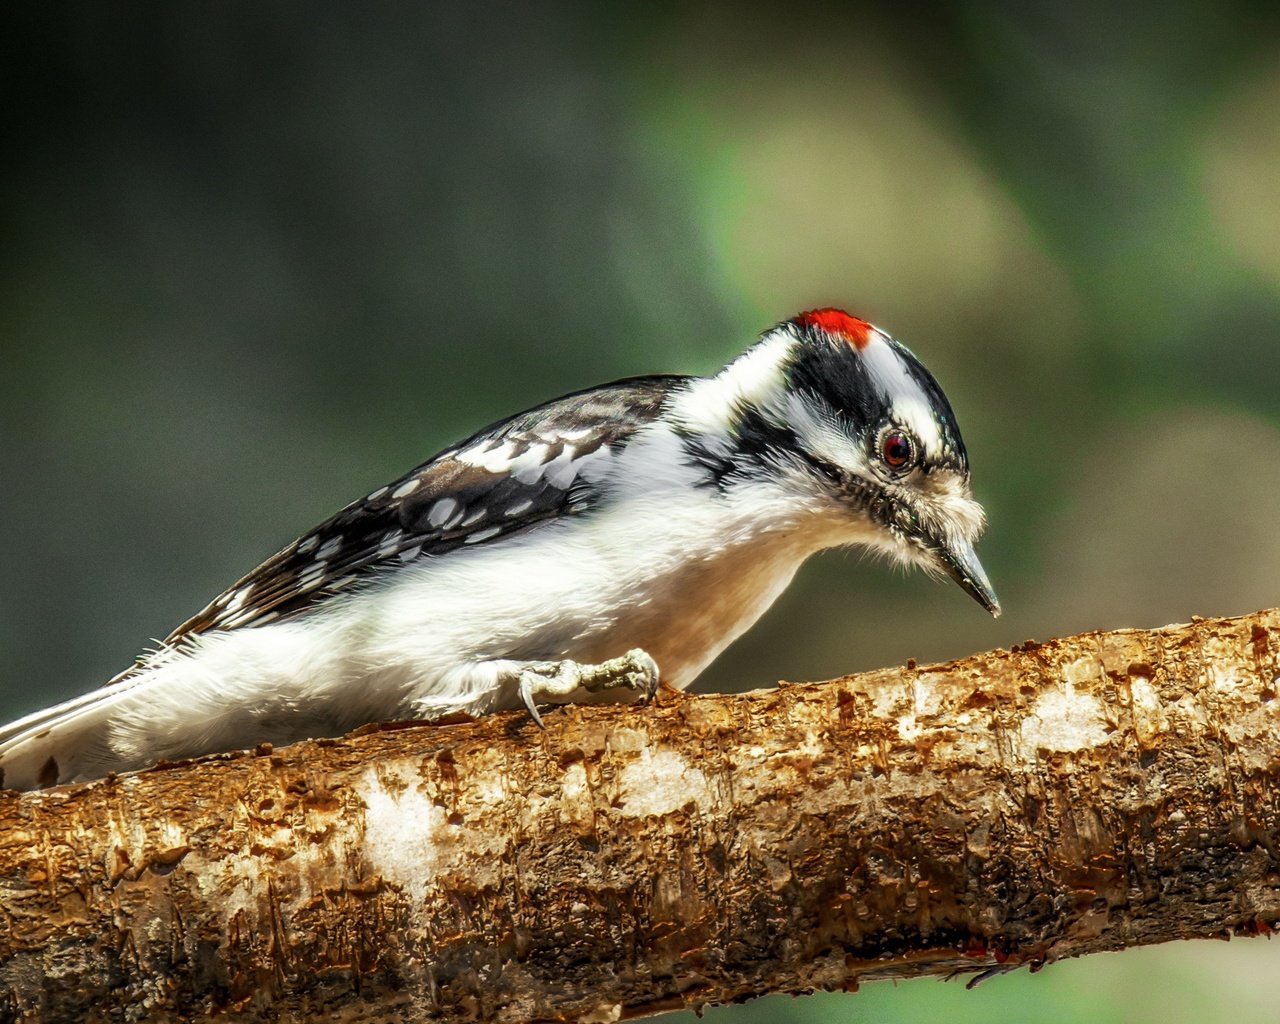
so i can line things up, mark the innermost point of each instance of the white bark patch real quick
(1064, 720)
(401, 829)
(812, 747)
(926, 701)
(1226, 678)
(660, 783)
(908, 729)
(926, 694)
(577, 807)
(1149, 718)
(1249, 732)
(238, 889)
(241, 886)
(574, 783)
(491, 789)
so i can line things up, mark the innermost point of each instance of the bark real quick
(1092, 793)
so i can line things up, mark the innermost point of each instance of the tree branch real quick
(1091, 793)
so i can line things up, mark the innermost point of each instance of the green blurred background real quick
(258, 259)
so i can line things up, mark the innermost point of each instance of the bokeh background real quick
(258, 259)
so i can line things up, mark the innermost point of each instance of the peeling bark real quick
(1092, 793)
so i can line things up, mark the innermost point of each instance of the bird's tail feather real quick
(62, 743)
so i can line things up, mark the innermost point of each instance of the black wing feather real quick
(405, 520)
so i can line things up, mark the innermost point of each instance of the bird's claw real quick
(526, 693)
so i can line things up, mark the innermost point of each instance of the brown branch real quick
(1097, 792)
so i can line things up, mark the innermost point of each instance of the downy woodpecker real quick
(571, 552)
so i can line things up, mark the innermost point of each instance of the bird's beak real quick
(962, 565)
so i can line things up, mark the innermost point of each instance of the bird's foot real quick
(550, 681)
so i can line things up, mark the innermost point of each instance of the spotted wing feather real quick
(508, 477)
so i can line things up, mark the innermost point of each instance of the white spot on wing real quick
(406, 488)
(481, 535)
(312, 576)
(560, 471)
(519, 508)
(474, 516)
(389, 543)
(329, 549)
(527, 468)
(496, 461)
(307, 544)
(441, 511)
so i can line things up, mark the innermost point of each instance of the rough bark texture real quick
(1091, 793)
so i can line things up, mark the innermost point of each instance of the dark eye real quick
(897, 449)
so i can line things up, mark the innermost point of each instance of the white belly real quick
(589, 590)
(695, 612)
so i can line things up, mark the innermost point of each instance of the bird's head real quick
(838, 412)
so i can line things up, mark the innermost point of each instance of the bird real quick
(582, 550)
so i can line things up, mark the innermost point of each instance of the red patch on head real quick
(838, 323)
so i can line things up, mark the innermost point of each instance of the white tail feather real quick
(64, 743)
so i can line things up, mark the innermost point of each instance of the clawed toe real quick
(647, 669)
(526, 694)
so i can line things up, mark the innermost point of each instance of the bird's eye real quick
(897, 449)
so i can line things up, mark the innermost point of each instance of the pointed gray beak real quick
(962, 565)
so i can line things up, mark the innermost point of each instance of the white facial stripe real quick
(819, 435)
(753, 379)
(917, 416)
(908, 402)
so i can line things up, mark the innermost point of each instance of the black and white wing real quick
(540, 464)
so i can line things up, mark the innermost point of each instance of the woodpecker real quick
(569, 553)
